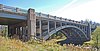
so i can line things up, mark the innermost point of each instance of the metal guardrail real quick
(12, 9)
(8, 8)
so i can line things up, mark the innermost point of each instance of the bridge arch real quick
(65, 27)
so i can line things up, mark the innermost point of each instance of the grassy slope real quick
(17, 45)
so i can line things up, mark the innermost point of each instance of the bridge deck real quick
(8, 21)
(18, 13)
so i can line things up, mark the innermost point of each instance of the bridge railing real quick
(37, 14)
(8, 8)
(18, 10)
(57, 18)
(21, 10)
(12, 9)
(52, 17)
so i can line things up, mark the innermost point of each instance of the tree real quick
(96, 37)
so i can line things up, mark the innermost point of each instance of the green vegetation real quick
(95, 41)
(96, 36)
(32, 45)
(7, 44)
(17, 45)
(59, 36)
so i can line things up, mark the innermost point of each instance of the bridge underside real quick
(9, 21)
(16, 28)
(73, 35)
(46, 28)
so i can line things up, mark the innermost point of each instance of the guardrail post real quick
(81, 21)
(1, 6)
(17, 10)
(89, 31)
(9, 31)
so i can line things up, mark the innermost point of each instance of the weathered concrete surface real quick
(31, 22)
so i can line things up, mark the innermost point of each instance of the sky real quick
(70, 9)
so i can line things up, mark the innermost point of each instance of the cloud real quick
(77, 11)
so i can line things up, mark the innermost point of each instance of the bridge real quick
(29, 23)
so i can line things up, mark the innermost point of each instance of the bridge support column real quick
(89, 31)
(86, 29)
(11, 30)
(31, 23)
(55, 25)
(40, 28)
(61, 24)
(48, 27)
(18, 30)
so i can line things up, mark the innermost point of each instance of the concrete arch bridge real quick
(28, 23)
